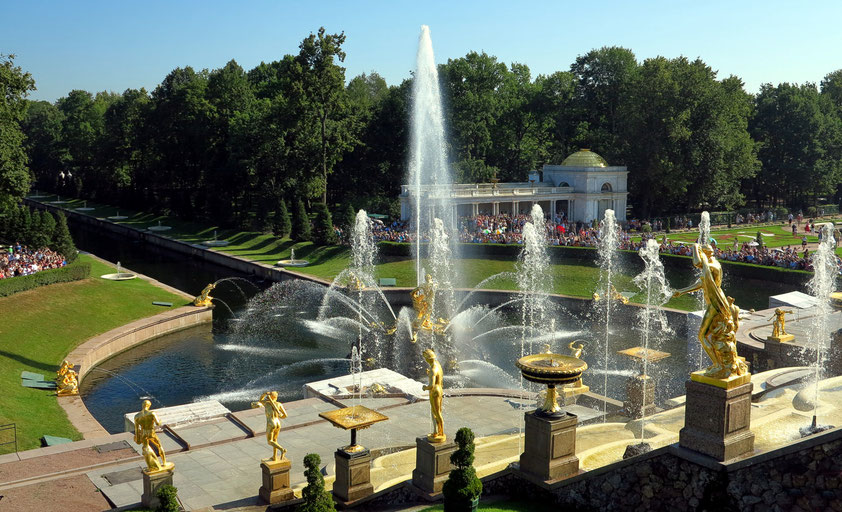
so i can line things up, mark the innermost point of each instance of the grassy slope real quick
(38, 328)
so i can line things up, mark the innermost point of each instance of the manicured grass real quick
(38, 328)
(505, 506)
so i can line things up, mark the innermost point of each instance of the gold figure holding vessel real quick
(145, 423)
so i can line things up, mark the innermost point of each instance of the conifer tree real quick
(62, 241)
(301, 223)
(323, 232)
(462, 485)
(283, 224)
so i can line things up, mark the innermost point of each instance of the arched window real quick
(606, 187)
(563, 184)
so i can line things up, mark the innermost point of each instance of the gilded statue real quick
(204, 299)
(613, 294)
(145, 423)
(718, 329)
(422, 302)
(67, 380)
(275, 412)
(436, 395)
(779, 325)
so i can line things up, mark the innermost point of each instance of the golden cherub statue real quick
(67, 380)
(779, 326)
(422, 302)
(718, 329)
(145, 423)
(613, 294)
(436, 395)
(204, 299)
(274, 413)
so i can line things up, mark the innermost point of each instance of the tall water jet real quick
(363, 254)
(534, 278)
(821, 286)
(651, 319)
(607, 247)
(703, 240)
(430, 177)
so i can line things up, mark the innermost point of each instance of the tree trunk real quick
(324, 157)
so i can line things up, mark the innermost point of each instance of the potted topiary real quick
(316, 499)
(168, 499)
(462, 489)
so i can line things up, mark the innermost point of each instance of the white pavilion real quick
(580, 189)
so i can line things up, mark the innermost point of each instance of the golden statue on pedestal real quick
(436, 395)
(779, 326)
(274, 413)
(613, 294)
(204, 299)
(144, 434)
(67, 380)
(422, 301)
(718, 329)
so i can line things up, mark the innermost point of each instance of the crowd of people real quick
(506, 228)
(20, 260)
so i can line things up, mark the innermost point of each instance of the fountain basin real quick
(292, 263)
(119, 276)
(117, 217)
(159, 228)
(215, 243)
(551, 369)
(85, 209)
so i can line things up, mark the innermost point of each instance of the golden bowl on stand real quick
(552, 370)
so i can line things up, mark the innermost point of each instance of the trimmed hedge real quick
(72, 272)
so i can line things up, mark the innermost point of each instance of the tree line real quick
(232, 144)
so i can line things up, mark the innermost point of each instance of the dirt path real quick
(75, 493)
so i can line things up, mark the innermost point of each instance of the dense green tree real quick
(62, 241)
(301, 223)
(47, 156)
(125, 144)
(48, 228)
(37, 237)
(320, 100)
(349, 217)
(15, 84)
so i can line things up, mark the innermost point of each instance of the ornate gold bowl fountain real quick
(552, 370)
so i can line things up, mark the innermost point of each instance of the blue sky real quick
(115, 45)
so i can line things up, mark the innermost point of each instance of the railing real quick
(9, 431)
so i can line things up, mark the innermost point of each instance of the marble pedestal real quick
(151, 483)
(275, 488)
(353, 475)
(549, 447)
(640, 396)
(717, 418)
(432, 464)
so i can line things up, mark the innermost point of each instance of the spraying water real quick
(429, 175)
(703, 240)
(534, 278)
(609, 244)
(821, 286)
(651, 319)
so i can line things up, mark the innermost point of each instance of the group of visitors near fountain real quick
(20, 260)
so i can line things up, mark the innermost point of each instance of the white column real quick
(514, 207)
(496, 209)
(552, 209)
(475, 209)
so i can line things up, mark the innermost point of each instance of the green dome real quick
(584, 158)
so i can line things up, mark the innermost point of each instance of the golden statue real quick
(613, 294)
(779, 326)
(67, 380)
(274, 413)
(144, 434)
(576, 351)
(718, 329)
(204, 300)
(422, 301)
(436, 395)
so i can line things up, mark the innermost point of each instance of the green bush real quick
(462, 486)
(72, 272)
(168, 496)
(316, 499)
(811, 212)
(759, 239)
(646, 228)
(62, 241)
(283, 224)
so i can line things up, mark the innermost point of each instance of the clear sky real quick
(114, 45)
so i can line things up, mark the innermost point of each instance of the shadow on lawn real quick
(29, 362)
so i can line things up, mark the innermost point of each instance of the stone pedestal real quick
(640, 396)
(432, 464)
(151, 483)
(717, 418)
(780, 339)
(549, 447)
(353, 475)
(275, 488)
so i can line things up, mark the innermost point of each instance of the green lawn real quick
(38, 328)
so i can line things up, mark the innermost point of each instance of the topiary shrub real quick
(168, 499)
(316, 499)
(283, 224)
(62, 241)
(462, 486)
(667, 226)
(759, 239)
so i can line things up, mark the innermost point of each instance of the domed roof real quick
(584, 158)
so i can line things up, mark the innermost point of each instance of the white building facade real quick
(580, 189)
